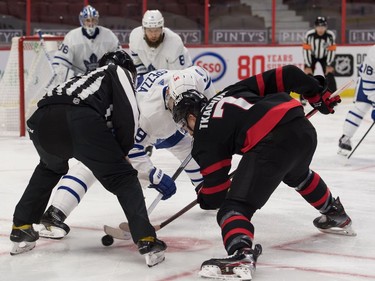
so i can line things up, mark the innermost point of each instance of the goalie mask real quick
(89, 19)
(189, 102)
(120, 58)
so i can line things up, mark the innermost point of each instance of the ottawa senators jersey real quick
(238, 118)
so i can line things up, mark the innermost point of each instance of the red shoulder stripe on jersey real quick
(260, 83)
(233, 218)
(216, 188)
(217, 166)
(260, 129)
(279, 79)
(322, 200)
(238, 231)
(311, 187)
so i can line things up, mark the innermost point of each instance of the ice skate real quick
(335, 221)
(239, 266)
(152, 249)
(302, 100)
(345, 145)
(53, 224)
(23, 238)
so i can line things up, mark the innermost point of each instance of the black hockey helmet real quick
(189, 102)
(120, 58)
(321, 21)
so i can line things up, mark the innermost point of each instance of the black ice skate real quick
(53, 222)
(239, 266)
(23, 238)
(345, 145)
(335, 221)
(152, 249)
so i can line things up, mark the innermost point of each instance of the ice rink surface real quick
(293, 249)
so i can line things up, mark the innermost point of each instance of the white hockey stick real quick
(43, 44)
(123, 231)
(334, 94)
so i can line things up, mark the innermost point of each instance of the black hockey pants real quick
(61, 132)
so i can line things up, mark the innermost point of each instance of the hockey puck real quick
(107, 240)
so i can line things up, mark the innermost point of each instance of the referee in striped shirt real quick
(319, 46)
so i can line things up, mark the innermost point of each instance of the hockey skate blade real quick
(213, 272)
(154, 258)
(117, 233)
(52, 232)
(22, 247)
(346, 230)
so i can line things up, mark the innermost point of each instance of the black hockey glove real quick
(211, 201)
(322, 101)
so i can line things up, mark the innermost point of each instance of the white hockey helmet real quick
(181, 82)
(152, 19)
(89, 12)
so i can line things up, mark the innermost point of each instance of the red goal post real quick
(27, 73)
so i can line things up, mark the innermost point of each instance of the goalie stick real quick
(334, 94)
(120, 234)
(42, 43)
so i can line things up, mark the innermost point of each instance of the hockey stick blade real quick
(334, 94)
(117, 233)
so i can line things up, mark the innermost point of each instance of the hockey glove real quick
(211, 201)
(322, 101)
(162, 183)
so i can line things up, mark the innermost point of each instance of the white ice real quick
(293, 249)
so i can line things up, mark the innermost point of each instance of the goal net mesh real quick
(27, 74)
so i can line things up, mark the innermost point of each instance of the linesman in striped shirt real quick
(319, 46)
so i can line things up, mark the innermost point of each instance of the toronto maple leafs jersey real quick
(367, 75)
(170, 54)
(81, 52)
(156, 125)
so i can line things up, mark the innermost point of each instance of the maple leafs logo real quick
(92, 63)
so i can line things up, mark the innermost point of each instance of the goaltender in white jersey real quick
(83, 47)
(153, 46)
(156, 127)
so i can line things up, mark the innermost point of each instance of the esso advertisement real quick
(227, 65)
(213, 62)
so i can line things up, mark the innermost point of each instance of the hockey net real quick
(27, 74)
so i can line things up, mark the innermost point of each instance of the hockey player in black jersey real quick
(257, 118)
(92, 118)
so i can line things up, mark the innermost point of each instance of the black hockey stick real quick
(361, 140)
(183, 210)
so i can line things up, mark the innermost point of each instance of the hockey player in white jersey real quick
(83, 47)
(364, 101)
(156, 127)
(153, 46)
